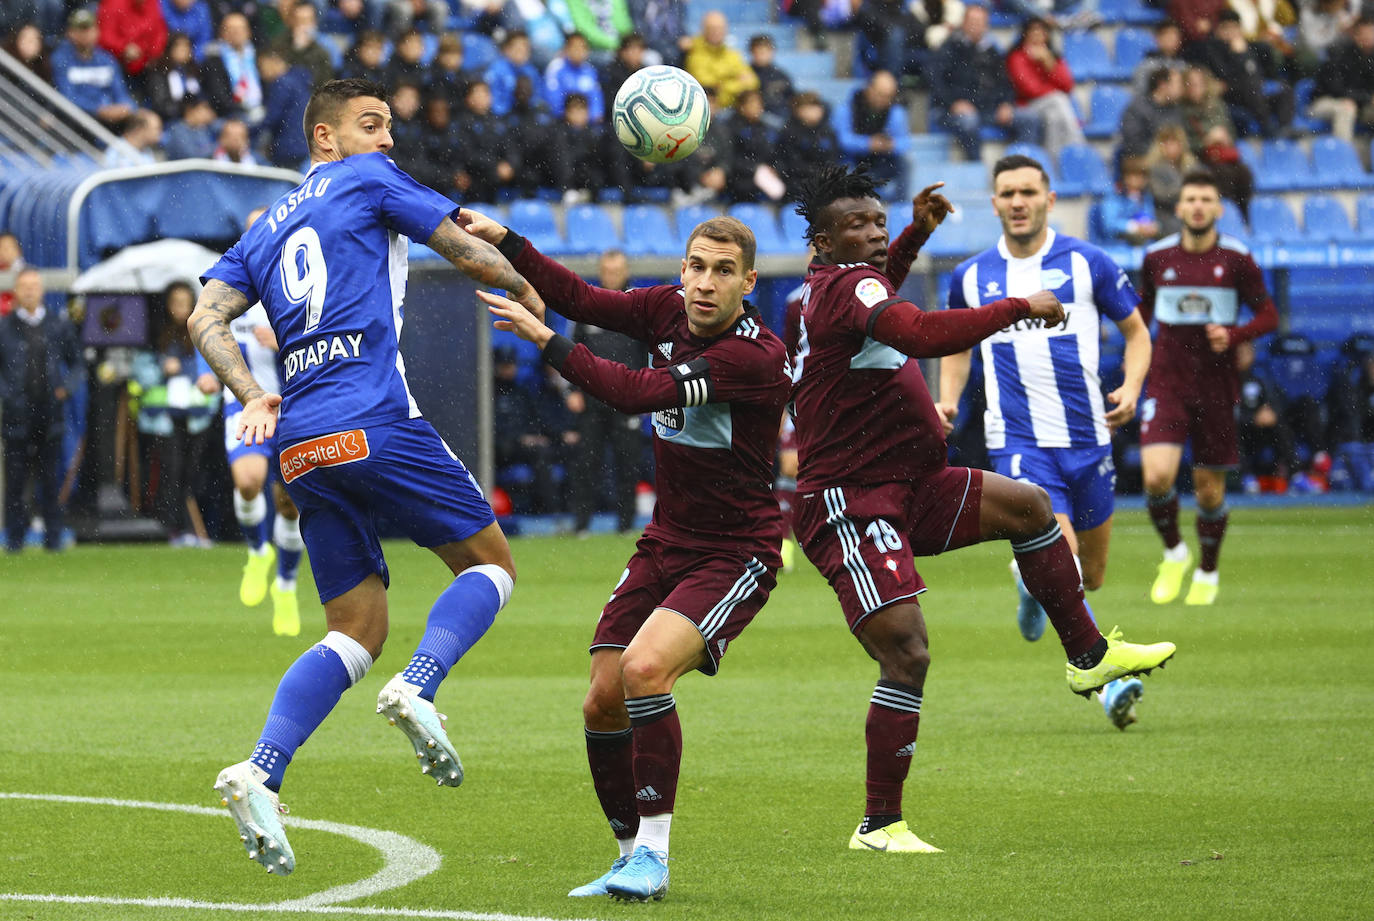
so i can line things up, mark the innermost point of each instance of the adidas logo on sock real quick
(648, 794)
(907, 750)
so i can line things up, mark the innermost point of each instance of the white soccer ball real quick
(661, 114)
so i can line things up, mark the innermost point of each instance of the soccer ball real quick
(661, 114)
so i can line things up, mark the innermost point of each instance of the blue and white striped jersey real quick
(1042, 383)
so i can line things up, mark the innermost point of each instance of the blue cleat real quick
(598, 885)
(644, 877)
(1118, 701)
(1030, 616)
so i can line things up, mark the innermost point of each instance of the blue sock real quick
(252, 518)
(255, 534)
(458, 619)
(307, 692)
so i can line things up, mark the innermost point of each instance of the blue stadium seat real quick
(1087, 57)
(479, 52)
(1283, 167)
(535, 221)
(1082, 172)
(1132, 45)
(688, 218)
(961, 178)
(763, 220)
(1337, 165)
(1131, 12)
(1232, 222)
(590, 229)
(1325, 219)
(648, 232)
(1272, 221)
(1039, 154)
(1108, 102)
(1303, 91)
(794, 226)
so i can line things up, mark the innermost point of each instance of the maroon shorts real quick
(718, 592)
(1169, 418)
(864, 538)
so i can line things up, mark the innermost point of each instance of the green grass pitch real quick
(1245, 792)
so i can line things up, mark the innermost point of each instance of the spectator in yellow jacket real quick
(717, 66)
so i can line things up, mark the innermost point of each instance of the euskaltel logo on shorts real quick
(324, 451)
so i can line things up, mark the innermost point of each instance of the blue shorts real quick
(401, 472)
(1081, 481)
(234, 447)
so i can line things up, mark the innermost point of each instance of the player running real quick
(328, 263)
(874, 487)
(1194, 282)
(249, 466)
(717, 384)
(1046, 422)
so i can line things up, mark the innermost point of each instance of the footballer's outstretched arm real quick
(218, 305)
(923, 334)
(928, 211)
(482, 262)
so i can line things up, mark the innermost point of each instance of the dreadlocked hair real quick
(827, 184)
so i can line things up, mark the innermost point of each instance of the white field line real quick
(288, 908)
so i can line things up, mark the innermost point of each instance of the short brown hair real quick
(726, 229)
(328, 99)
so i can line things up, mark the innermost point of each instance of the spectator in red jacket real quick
(1041, 81)
(133, 31)
(1195, 17)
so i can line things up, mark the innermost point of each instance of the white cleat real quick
(424, 726)
(257, 812)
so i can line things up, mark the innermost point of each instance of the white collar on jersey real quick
(1050, 237)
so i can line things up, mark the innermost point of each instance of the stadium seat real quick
(1082, 172)
(794, 225)
(536, 222)
(648, 232)
(763, 220)
(1087, 57)
(1108, 102)
(1131, 12)
(1040, 155)
(1283, 167)
(1302, 98)
(1272, 221)
(1132, 45)
(1324, 218)
(479, 52)
(1337, 165)
(959, 178)
(1232, 222)
(688, 218)
(590, 229)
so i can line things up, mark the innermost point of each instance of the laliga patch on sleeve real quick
(870, 291)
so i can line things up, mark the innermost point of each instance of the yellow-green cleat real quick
(896, 837)
(1204, 588)
(1120, 660)
(257, 573)
(286, 611)
(1169, 579)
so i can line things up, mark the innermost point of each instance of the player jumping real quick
(1046, 422)
(328, 263)
(717, 385)
(1194, 282)
(874, 488)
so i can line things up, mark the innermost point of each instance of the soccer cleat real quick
(424, 726)
(1169, 579)
(256, 573)
(896, 837)
(1118, 701)
(1204, 588)
(1030, 616)
(1120, 660)
(257, 812)
(598, 885)
(644, 877)
(286, 612)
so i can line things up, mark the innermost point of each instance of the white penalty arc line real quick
(404, 860)
(282, 907)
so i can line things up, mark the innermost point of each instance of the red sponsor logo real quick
(325, 451)
(677, 142)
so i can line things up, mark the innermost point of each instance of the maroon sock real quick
(1051, 577)
(657, 751)
(610, 757)
(894, 715)
(1211, 528)
(1164, 516)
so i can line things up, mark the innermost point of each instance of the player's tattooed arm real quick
(220, 304)
(482, 262)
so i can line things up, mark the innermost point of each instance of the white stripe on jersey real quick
(398, 268)
(864, 586)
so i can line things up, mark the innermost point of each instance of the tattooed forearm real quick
(209, 328)
(477, 259)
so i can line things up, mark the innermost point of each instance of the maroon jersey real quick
(716, 403)
(1186, 291)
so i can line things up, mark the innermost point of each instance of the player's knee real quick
(1092, 580)
(908, 661)
(643, 672)
(1031, 509)
(603, 709)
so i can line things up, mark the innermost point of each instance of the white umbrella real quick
(147, 268)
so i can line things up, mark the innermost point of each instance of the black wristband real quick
(511, 245)
(557, 351)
